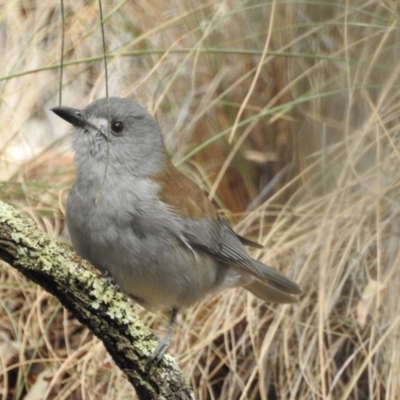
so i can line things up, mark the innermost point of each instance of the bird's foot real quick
(164, 343)
(159, 352)
(110, 280)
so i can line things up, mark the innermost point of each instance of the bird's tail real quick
(275, 287)
(269, 293)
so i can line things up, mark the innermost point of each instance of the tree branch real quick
(94, 302)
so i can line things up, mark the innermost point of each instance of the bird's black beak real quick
(71, 115)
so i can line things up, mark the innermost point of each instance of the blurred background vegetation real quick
(288, 114)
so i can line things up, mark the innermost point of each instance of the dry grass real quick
(288, 110)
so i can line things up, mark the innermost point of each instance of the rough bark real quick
(93, 301)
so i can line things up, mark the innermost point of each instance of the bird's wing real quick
(248, 242)
(205, 229)
(218, 239)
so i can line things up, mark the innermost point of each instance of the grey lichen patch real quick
(50, 256)
(32, 241)
(117, 305)
(10, 216)
(53, 251)
(82, 275)
(144, 345)
(121, 311)
(170, 361)
(101, 291)
(45, 263)
(23, 231)
(95, 305)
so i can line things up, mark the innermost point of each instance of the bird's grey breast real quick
(99, 217)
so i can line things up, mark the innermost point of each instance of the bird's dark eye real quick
(117, 127)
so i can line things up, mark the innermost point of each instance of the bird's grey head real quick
(133, 141)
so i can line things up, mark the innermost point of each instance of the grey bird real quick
(133, 215)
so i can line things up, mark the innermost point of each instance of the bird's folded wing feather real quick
(217, 238)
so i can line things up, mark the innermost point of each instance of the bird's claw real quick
(110, 280)
(159, 352)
